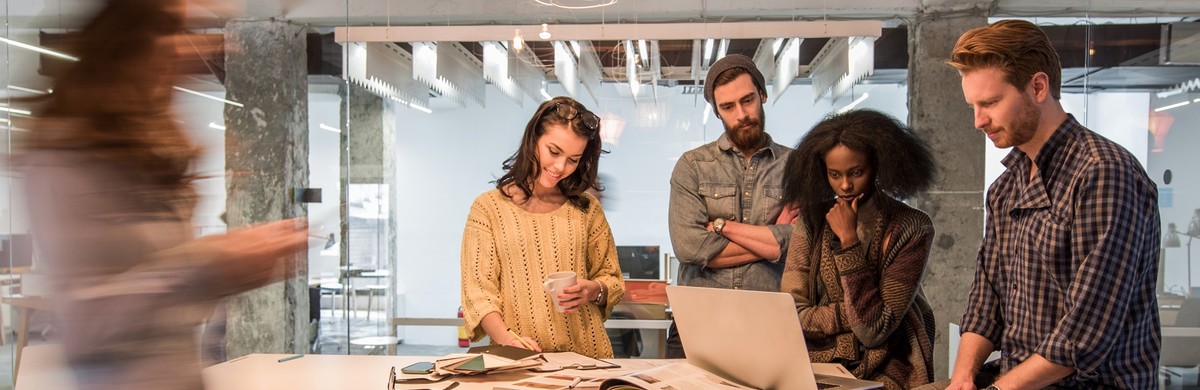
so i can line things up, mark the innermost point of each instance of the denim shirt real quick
(715, 181)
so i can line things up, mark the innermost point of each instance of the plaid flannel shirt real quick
(1068, 263)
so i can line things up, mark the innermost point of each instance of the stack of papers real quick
(483, 360)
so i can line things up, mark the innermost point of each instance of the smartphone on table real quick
(418, 368)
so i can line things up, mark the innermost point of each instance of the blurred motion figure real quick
(110, 197)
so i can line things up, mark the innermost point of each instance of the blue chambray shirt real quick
(1068, 264)
(715, 181)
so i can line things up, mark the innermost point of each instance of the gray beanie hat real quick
(729, 62)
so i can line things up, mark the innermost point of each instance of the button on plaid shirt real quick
(1068, 264)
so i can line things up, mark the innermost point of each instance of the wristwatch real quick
(718, 225)
(992, 387)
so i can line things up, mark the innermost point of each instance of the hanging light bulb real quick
(545, 34)
(518, 43)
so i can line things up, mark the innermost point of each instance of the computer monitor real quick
(640, 262)
(16, 251)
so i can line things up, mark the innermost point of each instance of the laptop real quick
(751, 337)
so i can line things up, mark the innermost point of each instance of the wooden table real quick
(46, 369)
(265, 372)
(24, 305)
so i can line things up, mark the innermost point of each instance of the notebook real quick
(752, 337)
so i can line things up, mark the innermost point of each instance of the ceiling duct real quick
(496, 71)
(566, 69)
(843, 62)
(526, 71)
(449, 69)
(787, 67)
(1181, 44)
(386, 70)
(655, 67)
(590, 72)
(631, 71)
(764, 56)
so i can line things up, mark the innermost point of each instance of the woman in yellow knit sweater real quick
(539, 220)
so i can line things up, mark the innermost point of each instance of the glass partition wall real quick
(8, 261)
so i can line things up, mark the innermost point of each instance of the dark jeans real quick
(674, 344)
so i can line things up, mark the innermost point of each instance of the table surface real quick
(29, 301)
(264, 371)
(46, 369)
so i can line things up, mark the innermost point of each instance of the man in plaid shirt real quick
(1065, 279)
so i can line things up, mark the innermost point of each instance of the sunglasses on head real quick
(570, 112)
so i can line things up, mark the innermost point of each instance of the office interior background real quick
(382, 120)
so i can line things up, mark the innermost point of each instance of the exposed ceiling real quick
(1126, 56)
(330, 13)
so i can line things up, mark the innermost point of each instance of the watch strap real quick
(600, 298)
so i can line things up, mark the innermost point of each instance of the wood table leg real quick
(22, 338)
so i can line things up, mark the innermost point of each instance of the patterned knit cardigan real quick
(862, 306)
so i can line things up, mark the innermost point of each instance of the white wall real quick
(324, 172)
(447, 158)
(196, 114)
(1119, 116)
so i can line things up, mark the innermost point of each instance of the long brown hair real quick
(109, 107)
(522, 167)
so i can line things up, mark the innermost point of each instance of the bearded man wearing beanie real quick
(729, 228)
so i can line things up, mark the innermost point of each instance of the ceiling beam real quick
(660, 31)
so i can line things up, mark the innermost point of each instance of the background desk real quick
(655, 339)
(25, 306)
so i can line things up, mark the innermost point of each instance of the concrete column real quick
(369, 155)
(939, 114)
(266, 144)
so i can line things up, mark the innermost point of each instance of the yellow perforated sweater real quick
(507, 253)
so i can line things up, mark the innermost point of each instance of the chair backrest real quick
(1189, 313)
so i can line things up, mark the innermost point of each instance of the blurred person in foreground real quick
(111, 198)
(540, 220)
(857, 253)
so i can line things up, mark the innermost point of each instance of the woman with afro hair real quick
(857, 253)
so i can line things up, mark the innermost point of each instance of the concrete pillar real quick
(369, 155)
(938, 112)
(372, 136)
(266, 144)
